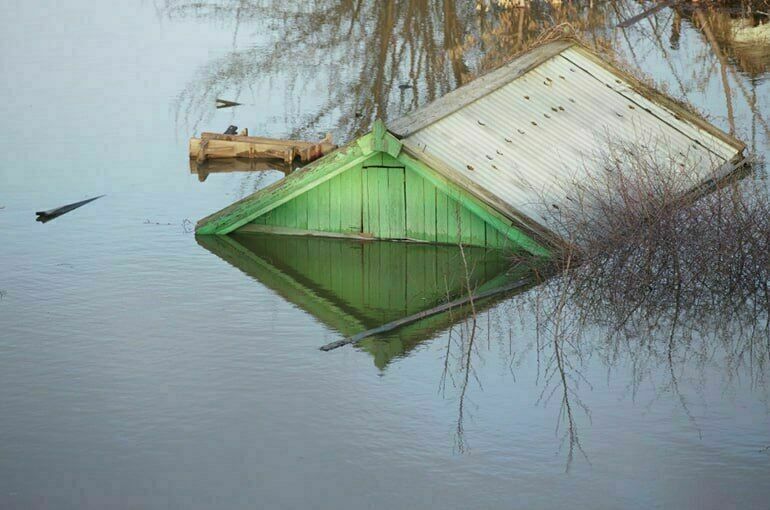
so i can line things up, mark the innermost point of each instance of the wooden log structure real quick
(218, 146)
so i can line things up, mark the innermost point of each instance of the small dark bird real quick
(232, 130)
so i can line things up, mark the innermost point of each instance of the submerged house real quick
(478, 165)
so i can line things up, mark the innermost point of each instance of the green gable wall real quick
(383, 199)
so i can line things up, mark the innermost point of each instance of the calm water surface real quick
(140, 368)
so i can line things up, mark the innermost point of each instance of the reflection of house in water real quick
(351, 285)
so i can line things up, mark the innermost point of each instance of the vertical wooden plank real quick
(453, 221)
(338, 208)
(366, 226)
(478, 231)
(353, 199)
(274, 217)
(284, 215)
(465, 218)
(313, 222)
(429, 211)
(287, 214)
(335, 202)
(492, 236)
(324, 217)
(300, 211)
(383, 230)
(396, 203)
(442, 226)
(415, 213)
(373, 200)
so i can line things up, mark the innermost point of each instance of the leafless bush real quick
(655, 252)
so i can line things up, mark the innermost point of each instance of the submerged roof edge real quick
(477, 88)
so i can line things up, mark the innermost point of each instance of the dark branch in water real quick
(45, 216)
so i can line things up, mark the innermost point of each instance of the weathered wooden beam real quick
(219, 146)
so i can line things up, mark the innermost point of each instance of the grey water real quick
(140, 368)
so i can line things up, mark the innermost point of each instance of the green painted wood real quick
(338, 196)
(415, 206)
(382, 193)
(243, 211)
(385, 201)
(313, 219)
(519, 239)
(332, 206)
(324, 207)
(380, 176)
(396, 203)
(300, 211)
(429, 208)
(492, 236)
(381, 140)
(478, 231)
(288, 231)
(371, 204)
(350, 203)
(390, 161)
(465, 225)
(453, 221)
(442, 226)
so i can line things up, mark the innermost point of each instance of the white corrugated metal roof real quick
(526, 140)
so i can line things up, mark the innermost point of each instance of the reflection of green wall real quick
(353, 285)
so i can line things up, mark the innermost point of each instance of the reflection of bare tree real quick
(375, 59)
(464, 342)
(375, 56)
(562, 374)
(736, 48)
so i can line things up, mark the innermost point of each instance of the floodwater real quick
(142, 368)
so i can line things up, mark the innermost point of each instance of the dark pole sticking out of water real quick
(44, 216)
